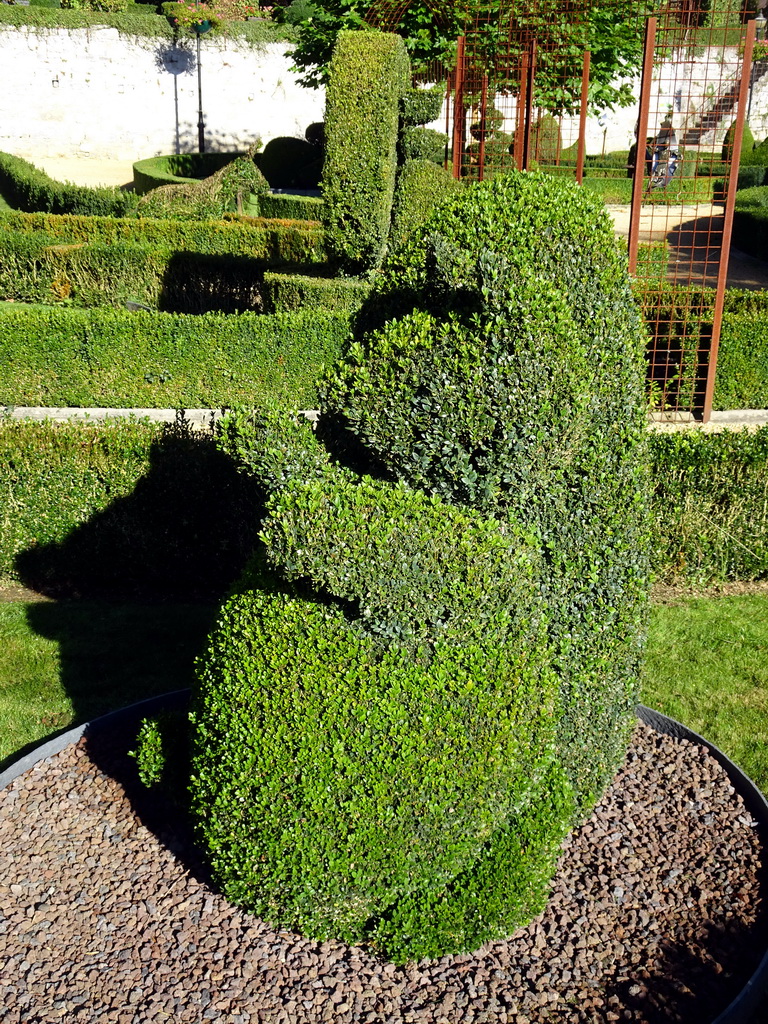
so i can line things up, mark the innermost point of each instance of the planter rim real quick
(739, 1011)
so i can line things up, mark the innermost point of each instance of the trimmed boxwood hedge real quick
(710, 496)
(180, 168)
(431, 667)
(114, 359)
(361, 129)
(26, 187)
(38, 268)
(272, 241)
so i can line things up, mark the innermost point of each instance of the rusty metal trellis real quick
(523, 91)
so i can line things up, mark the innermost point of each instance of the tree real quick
(497, 33)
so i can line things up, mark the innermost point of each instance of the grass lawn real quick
(62, 663)
(707, 666)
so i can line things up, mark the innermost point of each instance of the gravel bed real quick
(656, 914)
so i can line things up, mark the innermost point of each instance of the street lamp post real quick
(200, 27)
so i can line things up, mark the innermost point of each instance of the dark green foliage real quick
(428, 669)
(177, 168)
(361, 146)
(38, 268)
(116, 359)
(421, 106)
(25, 187)
(423, 144)
(421, 186)
(127, 508)
(291, 163)
(382, 822)
(296, 291)
(747, 143)
(162, 755)
(498, 271)
(709, 506)
(750, 221)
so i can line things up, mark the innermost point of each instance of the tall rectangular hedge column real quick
(369, 73)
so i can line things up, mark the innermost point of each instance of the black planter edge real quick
(176, 698)
(742, 1008)
(738, 1012)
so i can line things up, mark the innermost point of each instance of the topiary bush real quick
(430, 668)
(423, 144)
(226, 190)
(546, 141)
(421, 106)
(747, 143)
(291, 163)
(421, 186)
(361, 126)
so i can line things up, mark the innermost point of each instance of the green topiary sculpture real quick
(430, 668)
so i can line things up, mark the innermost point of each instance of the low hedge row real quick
(26, 187)
(132, 501)
(680, 320)
(35, 268)
(710, 506)
(113, 358)
(282, 241)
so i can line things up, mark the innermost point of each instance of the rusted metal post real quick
(531, 74)
(522, 106)
(458, 107)
(642, 134)
(730, 198)
(583, 117)
(447, 120)
(481, 144)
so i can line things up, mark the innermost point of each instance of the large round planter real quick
(740, 1011)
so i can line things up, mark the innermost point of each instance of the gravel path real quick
(656, 915)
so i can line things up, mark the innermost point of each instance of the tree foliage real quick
(497, 32)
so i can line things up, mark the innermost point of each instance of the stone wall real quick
(96, 93)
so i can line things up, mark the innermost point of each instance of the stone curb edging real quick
(740, 1011)
(197, 419)
(204, 419)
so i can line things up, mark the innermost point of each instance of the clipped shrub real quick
(421, 106)
(395, 395)
(296, 291)
(750, 221)
(421, 186)
(546, 141)
(423, 144)
(288, 207)
(741, 381)
(26, 187)
(178, 168)
(431, 666)
(116, 359)
(361, 125)
(747, 143)
(226, 190)
(291, 163)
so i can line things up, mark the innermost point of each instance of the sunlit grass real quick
(707, 666)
